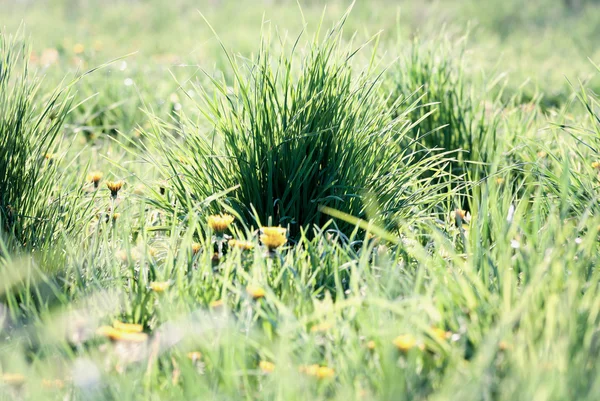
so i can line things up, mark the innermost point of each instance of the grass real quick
(290, 138)
(30, 128)
(441, 216)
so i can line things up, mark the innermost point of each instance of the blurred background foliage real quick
(536, 42)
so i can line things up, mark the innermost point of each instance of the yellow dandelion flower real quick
(128, 327)
(441, 333)
(243, 245)
(120, 335)
(321, 327)
(115, 187)
(133, 337)
(273, 241)
(124, 257)
(78, 48)
(504, 346)
(500, 180)
(325, 372)
(196, 247)
(194, 356)
(266, 366)
(371, 345)
(53, 384)
(255, 292)
(108, 332)
(220, 223)
(274, 231)
(216, 304)
(320, 372)
(115, 216)
(596, 165)
(273, 237)
(405, 342)
(95, 177)
(13, 379)
(310, 370)
(160, 286)
(49, 156)
(461, 214)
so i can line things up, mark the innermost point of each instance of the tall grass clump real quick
(572, 172)
(298, 131)
(29, 129)
(459, 117)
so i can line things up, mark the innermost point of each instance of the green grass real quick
(369, 146)
(292, 137)
(30, 125)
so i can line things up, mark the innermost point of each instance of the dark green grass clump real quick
(298, 132)
(459, 117)
(29, 128)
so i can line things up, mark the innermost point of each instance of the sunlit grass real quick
(329, 215)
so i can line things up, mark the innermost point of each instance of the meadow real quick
(281, 200)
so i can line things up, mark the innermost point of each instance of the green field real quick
(281, 200)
